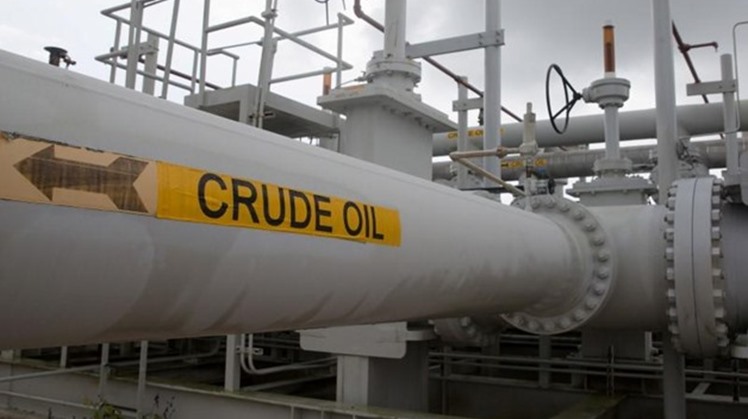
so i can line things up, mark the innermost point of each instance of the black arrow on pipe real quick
(47, 172)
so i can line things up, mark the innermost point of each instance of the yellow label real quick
(39, 171)
(187, 194)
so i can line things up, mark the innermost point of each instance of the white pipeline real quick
(72, 276)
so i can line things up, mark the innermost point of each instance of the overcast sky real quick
(538, 33)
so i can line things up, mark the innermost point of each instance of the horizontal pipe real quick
(693, 120)
(578, 163)
(76, 276)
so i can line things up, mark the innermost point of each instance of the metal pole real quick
(462, 134)
(339, 64)
(730, 118)
(612, 134)
(266, 63)
(395, 16)
(117, 40)
(133, 47)
(204, 48)
(63, 357)
(232, 372)
(103, 368)
(667, 123)
(195, 63)
(142, 371)
(12, 378)
(151, 66)
(492, 96)
(674, 381)
(170, 49)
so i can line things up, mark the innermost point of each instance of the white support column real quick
(142, 372)
(204, 48)
(492, 94)
(266, 64)
(730, 117)
(462, 134)
(674, 381)
(104, 369)
(151, 65)
(232, 372)
(667, 121)
(394, 30)
(133, 44)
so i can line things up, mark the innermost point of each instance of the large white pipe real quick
(73, 276)
(693, 120)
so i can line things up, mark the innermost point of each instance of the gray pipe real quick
(578, 163)
(693, 120)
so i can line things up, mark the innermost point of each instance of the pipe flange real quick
(567, 308)
(694, 276)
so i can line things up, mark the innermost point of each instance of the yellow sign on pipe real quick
(40, 171)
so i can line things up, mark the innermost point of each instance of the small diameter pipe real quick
(247, 360)
(488, 176)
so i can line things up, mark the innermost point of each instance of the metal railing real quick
(127, 57)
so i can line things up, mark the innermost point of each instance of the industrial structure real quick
(204, 262)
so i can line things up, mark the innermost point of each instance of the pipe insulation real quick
(693, 120)
(73, 275)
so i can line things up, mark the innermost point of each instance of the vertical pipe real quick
(234, 67)
(339, 54)
(151, 66)
(462, 133)
(544, 352)
(492, 95)
(64, 357)
(730, 117)
(204, 48)
(394, 29)
(103, 369)
(232, 371)
(674, 381)
(195, 63)
(667, 122)
(142, 371)
(133, 48)
(170, 49)
(612, 133)
(266, 64)
(117, 41)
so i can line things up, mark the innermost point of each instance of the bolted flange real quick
(569, 307)
(695, 280)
